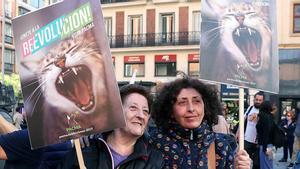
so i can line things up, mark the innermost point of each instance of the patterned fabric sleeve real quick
(225, 151)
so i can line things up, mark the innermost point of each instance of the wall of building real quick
(286, 37)
(150, 12)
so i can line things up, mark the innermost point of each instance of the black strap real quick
(246, 120)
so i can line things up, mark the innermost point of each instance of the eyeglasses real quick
(288, 115)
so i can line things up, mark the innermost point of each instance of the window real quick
(38, 3)
(132, 64)
(9, 60)
(193, 65)
(131, 67)
(196, 21)
(108, 26)
(165, 65)
(135, 27)
(296, 18)
(54, 1)
(8, 8)
(8, 29)
(8, 34)
(167, 27)
(22, 10)
(193, 69)
(108, 29)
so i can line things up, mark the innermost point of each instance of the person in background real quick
(222, 125)
(274, 110)
(16, 150)
(264, 135)
(184, 112)
(225, 110)
(18, 120)
(6, 127)
(251, 119)
(288, 126)
(296, 146)
(286, 109)
(124, 148)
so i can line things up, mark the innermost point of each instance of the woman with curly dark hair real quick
(184, 112)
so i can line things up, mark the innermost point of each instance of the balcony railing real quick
(155, 39)
(112, 1)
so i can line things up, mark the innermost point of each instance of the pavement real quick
(278, 156)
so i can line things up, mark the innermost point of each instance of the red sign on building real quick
(193, 57)
(165, 58)
(134, 59)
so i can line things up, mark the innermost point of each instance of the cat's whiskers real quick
(35, 90)
(36, 100)
(212, 38)
(214, 29)
(28, 85)
(211, 21)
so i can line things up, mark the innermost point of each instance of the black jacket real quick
(98, 155)
(264, 128)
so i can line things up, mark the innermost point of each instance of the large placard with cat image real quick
(239, 43)
(66, 71)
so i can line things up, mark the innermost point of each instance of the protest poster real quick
(239, 43)
(66, 71)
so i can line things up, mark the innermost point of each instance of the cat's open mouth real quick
(75, 83)
(249, 42)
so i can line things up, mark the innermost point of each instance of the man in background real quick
(250, 139)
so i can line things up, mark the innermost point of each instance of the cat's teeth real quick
(61, 79)
(249, 30)
(74, 70)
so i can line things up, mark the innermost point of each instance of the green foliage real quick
(14, 80)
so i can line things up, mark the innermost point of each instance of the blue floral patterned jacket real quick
(184, 148)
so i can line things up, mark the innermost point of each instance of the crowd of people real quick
(189, 131)
(259, 133)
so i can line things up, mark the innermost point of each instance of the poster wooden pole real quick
(79, 154)
(132, 80)
(241, 118)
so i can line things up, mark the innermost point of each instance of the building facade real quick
(15, 8)
(156, 38)
(9, 53)
(288, 21)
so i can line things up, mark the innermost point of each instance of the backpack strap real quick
(211, 156)
(250, 108)
(246, 119)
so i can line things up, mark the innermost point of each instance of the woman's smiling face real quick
(136, 113)
(188, 109)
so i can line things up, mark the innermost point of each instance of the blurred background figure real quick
(18, 117)
(296, 146)
(288, 126)
(264, 135)
(222, 126)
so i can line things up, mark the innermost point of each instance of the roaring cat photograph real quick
(71, 89)
(237, 43)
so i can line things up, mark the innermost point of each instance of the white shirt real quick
(250, 133)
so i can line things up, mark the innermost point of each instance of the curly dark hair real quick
(265, 107)
(162, 107)
(135, 88)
